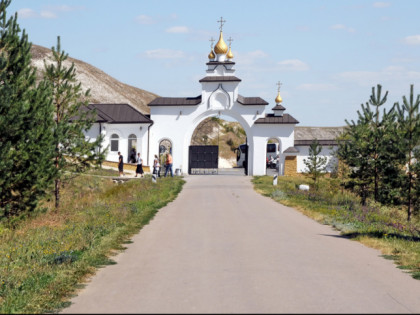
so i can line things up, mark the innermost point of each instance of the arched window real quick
(114, 142)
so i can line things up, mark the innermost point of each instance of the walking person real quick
(168, 165)
(120, 164)
(139, 169)
(156, 166)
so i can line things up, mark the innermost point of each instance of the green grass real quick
(381, 227)
(46, 257)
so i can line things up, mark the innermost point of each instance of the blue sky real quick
(327, 54)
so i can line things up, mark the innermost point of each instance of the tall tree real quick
(316, 165)
(409, 127)
(25, 123)
(369, 148)
(74, 153)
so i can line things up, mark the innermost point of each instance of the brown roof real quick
(118, 113)
(271, 119)
(291, 150)
(278, 107)
(216, 63)
(320, 133)
(179, 101)
(309, 142)
(220, 79)
(251, 100)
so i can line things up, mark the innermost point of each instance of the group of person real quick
(133, 159)
(139, 169)
(168, 165)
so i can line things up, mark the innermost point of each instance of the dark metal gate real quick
(246, 160)
(203, 159)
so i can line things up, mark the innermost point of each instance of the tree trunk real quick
(57, 194)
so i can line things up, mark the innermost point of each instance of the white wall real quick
(304, 154)
(123, 131)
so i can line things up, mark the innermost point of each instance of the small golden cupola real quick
(211, 54)
(278, 98)
(278, 109)
(229, 55)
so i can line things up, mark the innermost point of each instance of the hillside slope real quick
(103, 88)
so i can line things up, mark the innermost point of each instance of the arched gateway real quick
(175, 118)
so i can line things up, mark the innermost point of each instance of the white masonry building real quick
(173, 121)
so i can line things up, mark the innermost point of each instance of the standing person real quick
(156, 166)
(139, 169)
(120, 164)
(132, 158)
(168, 164)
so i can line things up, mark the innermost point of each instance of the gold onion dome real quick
(278, 98)
(221, 47)
(211, 55)
(229, 54)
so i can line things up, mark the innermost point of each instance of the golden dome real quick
(229, 54)
(221, 47)
(278, 99)
(211, 55)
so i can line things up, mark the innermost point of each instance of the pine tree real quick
(26, 150)
(409, 127)
(74, 154)
(369, 150)
(316, 165)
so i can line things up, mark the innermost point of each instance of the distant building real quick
(173, 120)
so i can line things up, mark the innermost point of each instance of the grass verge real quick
(45, 258)
(377, 226)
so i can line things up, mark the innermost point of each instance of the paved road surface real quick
(222, 248)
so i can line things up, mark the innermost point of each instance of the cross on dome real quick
(221, 23)
(212, 40)
(278, 98)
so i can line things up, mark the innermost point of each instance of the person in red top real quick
(168, 164)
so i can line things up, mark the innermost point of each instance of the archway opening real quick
(132, 148)
(230, 138)
(165, 147)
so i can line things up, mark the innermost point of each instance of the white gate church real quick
(175, 118)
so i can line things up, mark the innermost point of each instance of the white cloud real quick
(50, 12)
(249, 58)
(144, 19)
(26, 13)
(390, 74)
(338, 27)
(178, 29)
(381, 4)
(412, 40)
(293, 65)
(164, 54)
(48, 15)
(316, 87)
(342, 27)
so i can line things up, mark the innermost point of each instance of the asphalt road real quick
(220, 247)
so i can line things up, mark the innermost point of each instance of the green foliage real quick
(45, 258)
(73, 153)
(316, 165)
(342, 210)
(26, 123)
(369, 149)
(409, 131)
